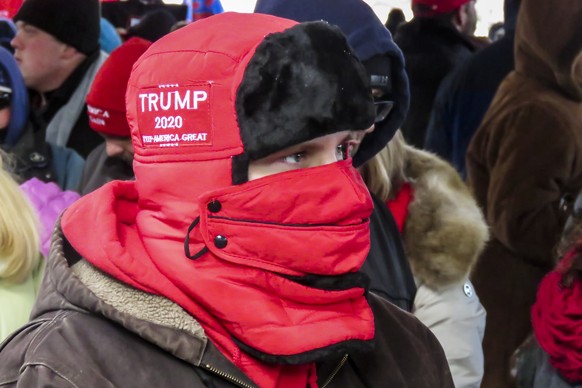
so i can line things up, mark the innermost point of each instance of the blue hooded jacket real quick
(368, 37)
(10, 76)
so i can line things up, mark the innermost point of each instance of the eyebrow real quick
(314, 144)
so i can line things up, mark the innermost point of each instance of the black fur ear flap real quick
(240, 169)
(300, 84)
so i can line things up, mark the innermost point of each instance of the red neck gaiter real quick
(556, 318)
(276, 279)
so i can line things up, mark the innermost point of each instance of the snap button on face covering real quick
(214, 206)
(220, 241)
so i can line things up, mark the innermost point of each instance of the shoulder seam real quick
(42, 364)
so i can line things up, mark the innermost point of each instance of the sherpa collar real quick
(73, 284)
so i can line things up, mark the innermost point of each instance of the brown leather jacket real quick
(89, 330)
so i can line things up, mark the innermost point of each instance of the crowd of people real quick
(302, 196)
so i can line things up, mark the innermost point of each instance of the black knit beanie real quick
(74, 22)
(153, 25)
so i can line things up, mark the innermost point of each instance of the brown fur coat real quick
(524, 158)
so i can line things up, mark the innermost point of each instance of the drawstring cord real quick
(187, 242)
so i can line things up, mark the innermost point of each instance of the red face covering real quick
(281, 283)
(299, 238)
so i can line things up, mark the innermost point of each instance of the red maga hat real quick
(106, 99)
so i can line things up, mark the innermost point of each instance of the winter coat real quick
(64, 119)
(546, 376)
(48, 201)
(533, 368)
(16, 301)
(100, 169)
(432, 48)
(443, 235)
(157, 344)
(525, 157)
(465, 94)
(36, 158)
(463, 98)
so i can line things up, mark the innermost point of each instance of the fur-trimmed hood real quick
(445, 230)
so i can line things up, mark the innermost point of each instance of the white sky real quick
(489, 11)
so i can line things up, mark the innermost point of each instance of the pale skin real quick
(4, 118)
(313, 153)
(119, 147)
(44, 61)
(465, 18)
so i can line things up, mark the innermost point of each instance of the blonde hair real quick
(19, 238)
(385, 171)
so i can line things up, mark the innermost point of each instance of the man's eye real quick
(294, 158)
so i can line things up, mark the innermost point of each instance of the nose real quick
(15, 42)
(113, 149)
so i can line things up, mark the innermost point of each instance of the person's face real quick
(4, 109)
(4, 118)
(470, 22)
(38, 55)
(119, 147)
(317, 152)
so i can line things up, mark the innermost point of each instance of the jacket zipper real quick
(335, 371)
(241, 383)
(226, 376)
